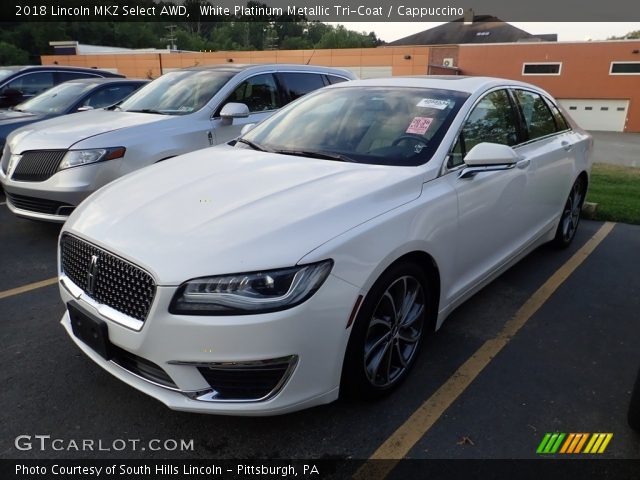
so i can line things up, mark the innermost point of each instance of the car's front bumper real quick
(54, 199)
(313, 336)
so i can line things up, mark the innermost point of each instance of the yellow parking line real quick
(416, 426)
(28, 288)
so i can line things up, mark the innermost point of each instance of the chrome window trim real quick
(444, 170)
(54, 71)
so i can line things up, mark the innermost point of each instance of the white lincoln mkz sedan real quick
(312, 257)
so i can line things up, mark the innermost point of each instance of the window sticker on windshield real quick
(419, 125)
(433, 103)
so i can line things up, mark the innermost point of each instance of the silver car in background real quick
(47, 169)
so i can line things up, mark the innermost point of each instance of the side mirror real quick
(11, 93)
(234, 110)
(84, 108)
(489, 157)
(247, 128)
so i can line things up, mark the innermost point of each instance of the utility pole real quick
(171, 37)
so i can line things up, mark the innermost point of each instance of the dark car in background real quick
(69, 97)
(20, 83)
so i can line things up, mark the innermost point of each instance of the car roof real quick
(458, 83)
(101, 80)
(240, 67)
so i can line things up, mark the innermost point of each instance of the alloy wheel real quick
(571, 213)
(394, 331)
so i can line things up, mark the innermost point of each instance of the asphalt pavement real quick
(569, 369)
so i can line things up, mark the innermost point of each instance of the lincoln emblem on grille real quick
(91, 274)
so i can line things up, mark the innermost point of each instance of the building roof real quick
(472, 29)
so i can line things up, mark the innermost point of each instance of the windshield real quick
(177, 93)
(55, 100)
(376, 125)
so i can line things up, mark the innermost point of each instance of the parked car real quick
(312, 258)
(69, 97)
(20, 83)
(49, 168)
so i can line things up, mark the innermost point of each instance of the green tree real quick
(631, 35)
(340, 37)
(12, 55)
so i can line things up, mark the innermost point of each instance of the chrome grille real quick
(37, 165)
(112, 280)
(38, 205)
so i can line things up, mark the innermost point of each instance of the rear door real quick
(549, 147)
(296, 84)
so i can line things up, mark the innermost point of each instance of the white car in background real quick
(48, 168)
(311, 259)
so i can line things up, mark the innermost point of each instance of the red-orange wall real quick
(584, 74)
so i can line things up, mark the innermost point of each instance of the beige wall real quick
(149, 65)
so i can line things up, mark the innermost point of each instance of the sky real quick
(567, 31)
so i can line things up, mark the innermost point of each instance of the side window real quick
(561, 122)
(259, 93)
(299, 84)
(333, 79)
(491, 120)
(106, 97)
(536, 113)
(66, 76)
(32, 83)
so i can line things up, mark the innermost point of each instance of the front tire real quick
(633, 416)
(571, 214)
(387, 333)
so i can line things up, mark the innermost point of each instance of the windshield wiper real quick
(148, 110)
(254, 145)
(318, 154)
(18, 110)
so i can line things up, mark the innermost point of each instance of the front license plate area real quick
(92, 331)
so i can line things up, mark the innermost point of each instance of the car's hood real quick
(16, 116)
(10, 120)
(63, 132)
(221, 210)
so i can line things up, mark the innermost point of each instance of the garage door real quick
(607, 115)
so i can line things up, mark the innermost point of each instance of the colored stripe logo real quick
(592, 443)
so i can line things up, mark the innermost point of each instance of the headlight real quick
(75, 158)
(250, 293)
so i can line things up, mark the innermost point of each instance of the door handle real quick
(522, 164)
(566, 145)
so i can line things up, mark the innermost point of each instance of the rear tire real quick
(387, 333)
(570, 218)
